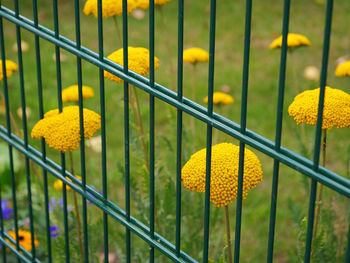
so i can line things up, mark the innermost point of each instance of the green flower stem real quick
(135, 104)
(294, 72)
(319, 196)
(115, 19)
(193, 127)
(227, 219)
(76, 209)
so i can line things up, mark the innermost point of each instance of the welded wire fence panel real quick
(79, 238)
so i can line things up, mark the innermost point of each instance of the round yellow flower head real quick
(72, 93)
(195, 54)
(220, 98)
(343, 69)
(144, 4)
(58, 184)
(62, 130)
(224, 173)
(25, 239)
(10, 68)
(138, 60)
(293, 40)
(336, 111)
(109, 7)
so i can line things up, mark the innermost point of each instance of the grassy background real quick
(306, 18)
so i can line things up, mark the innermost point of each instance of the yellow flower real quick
(62, 130)
(138, 60)
(10, 68)
(109, 7)
(293, 40)
(220, 98)
(224, 173)
(336, 111)
(195, 54)
(144, 4)
(343, 69)
(25, 239)
(58, 184)
(72, 93)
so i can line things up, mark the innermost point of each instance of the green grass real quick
(306, 18)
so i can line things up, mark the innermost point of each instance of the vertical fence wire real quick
(126, 130)
(103, 130)
(25, 132)
(317, 148)
(209, 129)
(179, 126)
(62, 155)
(43, 147)
(278, 133)
(151, 126)
(9, 133)
(82, 139)
(248, 20)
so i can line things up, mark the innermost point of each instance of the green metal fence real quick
(112, 213)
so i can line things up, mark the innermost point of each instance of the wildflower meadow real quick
(94, 167)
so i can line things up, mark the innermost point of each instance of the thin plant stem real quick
(167, 43)
(193, 127)
(115, 19)
(319, 196)
(227, 219)
(295, 77)
(76, 209)
(135, 104)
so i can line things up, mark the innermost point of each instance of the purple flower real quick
(93, 187)
(53, 204)
(54, 231)
(6, 210)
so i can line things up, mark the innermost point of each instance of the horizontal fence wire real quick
(148, 234)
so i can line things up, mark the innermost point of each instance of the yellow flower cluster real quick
(138, 61)
(195, 54)
(25, 239)
(109, 7)
(62, 130)
(224, 173)
(58, 184)
(336, 111)
(10, 68)
(144, 4)
(293, 40)
(72, 93)
(343, 69)
(220, 98)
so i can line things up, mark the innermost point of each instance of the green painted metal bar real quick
(244, 98)
(9, 240)
(126, 130)
(151, 127)
(347, 257)
(8, 132)
(20, 257)
(43, 147)
(251, 138)
(212, 28)
(82, 138)
(2, 231)
(103, 131)
(317, 148)
(25, 130)
(62, 155)
(278, 133)
(180, 42)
